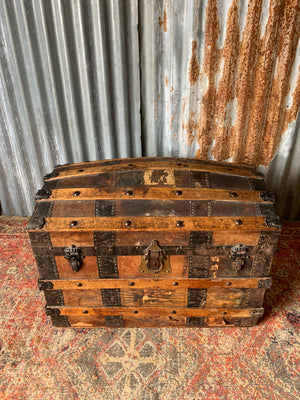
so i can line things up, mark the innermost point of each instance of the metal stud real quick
(77, 193)
(73, 223)
(239, 222)
(233, 194)
(127, 223)
(129, 192)
(179, 224)
(178, 192)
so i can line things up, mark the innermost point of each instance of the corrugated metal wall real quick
(85, 80)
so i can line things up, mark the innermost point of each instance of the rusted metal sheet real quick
(211, 79)
(225, 85)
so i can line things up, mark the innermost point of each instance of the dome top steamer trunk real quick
(154, 242)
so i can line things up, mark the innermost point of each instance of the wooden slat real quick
(155, 283)
(155, 193)
(155, 224)
(151, 159)
(152, 311)
(154, 164)
(225, 238)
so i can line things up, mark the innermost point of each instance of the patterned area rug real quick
(39, 362)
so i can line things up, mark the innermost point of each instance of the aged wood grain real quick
(153, 297)
(159, 311)
(86, 321)
(155, 193)
(232, 238)
(88, 270)
(144, 238)
(74, 208)
(223, 298)
(80, 170)
(81, 298)
(86, 283)
(156, 224)
(65, 239)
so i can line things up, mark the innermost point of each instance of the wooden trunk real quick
(154, 242)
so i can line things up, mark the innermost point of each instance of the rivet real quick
(173, 312)
(131, 283)
(178, 192)
(129, 192)
(80, 170)
(179, 224)
(233, 194)
(135, 312)
(79, 284)
(127, 223)
(175, 283)
(85, 312)
(228, 283)
(168, 271)
(239, 222)
(73, 223)
(77, 193)
(224, 313)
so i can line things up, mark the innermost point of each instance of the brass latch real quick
(239, 254)
(155, 260)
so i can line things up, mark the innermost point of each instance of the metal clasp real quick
(155, 260)
(239, 254)
(73, 255)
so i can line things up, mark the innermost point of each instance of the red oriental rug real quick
(39, 362)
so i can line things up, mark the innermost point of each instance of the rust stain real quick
(191, 129)
(227, 65)
(163, 22)
(243, 111)
(166, 177)
(210, 67)
(172, 89)
(166, 80)
(278, 118)
(194, 68)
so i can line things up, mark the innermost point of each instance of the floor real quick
(39, 362)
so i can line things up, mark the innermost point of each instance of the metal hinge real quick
(268, 196)
(35, 223)
(45, 285)
(239, 254)
(43, 194)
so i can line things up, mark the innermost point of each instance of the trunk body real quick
(154, 242)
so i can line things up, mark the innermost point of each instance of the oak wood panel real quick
(159, 311)
(92, 298)
(144, 238)
(154, 297)
(88, 270)
(232, 238)
(155, 164)
(129, 267)
(153, 193)
(156, 224)
(155, 283)
(65, 239)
